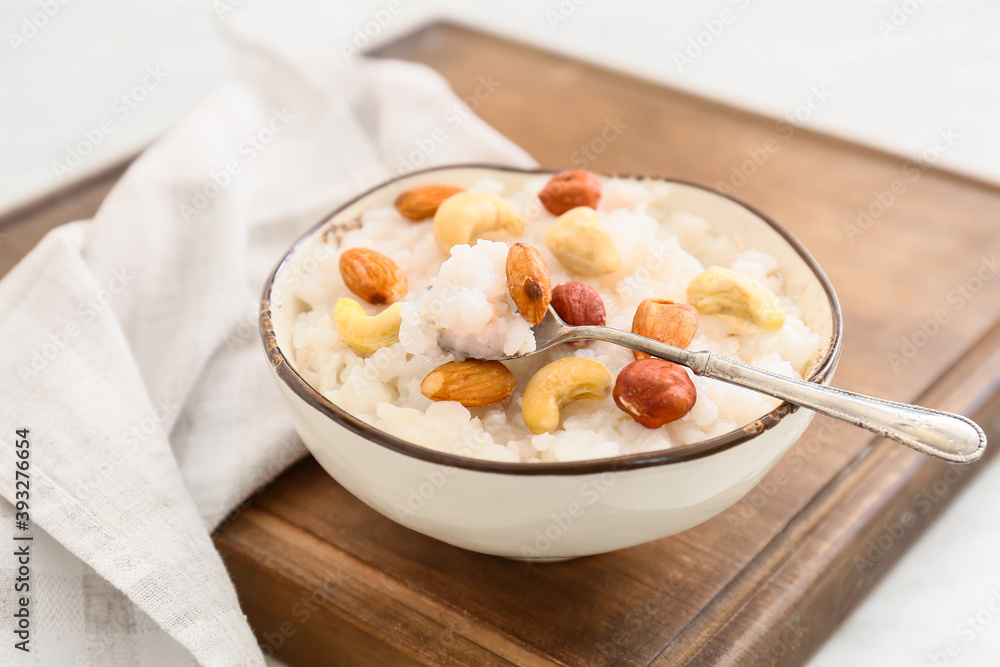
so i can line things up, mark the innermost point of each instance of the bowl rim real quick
(290, 377)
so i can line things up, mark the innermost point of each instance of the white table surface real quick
(897, 72)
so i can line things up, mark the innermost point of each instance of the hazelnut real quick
(668, 322)
(579, 304)
(569, 189)
(654, 392)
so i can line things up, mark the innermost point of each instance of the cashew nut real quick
(363, 332)
(578, 240)
(718, 290)
(462, 217)
(559, 383)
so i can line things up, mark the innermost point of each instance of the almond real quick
(528, 282)
(372, 276)
(421, 202)
(668, 322)
(569, 189)
(654, 392)
(579, 304)
(473, 383)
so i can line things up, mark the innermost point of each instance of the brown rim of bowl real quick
(306, 392)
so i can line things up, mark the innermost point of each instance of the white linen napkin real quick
(130, 352)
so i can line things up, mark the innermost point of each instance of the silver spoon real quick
(943, 434)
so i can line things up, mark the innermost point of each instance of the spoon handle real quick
(948, 436)
(943, 434)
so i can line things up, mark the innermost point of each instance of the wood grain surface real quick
(325, 580)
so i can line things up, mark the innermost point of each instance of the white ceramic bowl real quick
(546, 511)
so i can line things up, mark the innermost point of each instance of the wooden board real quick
(767, 581)
(325, 580)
